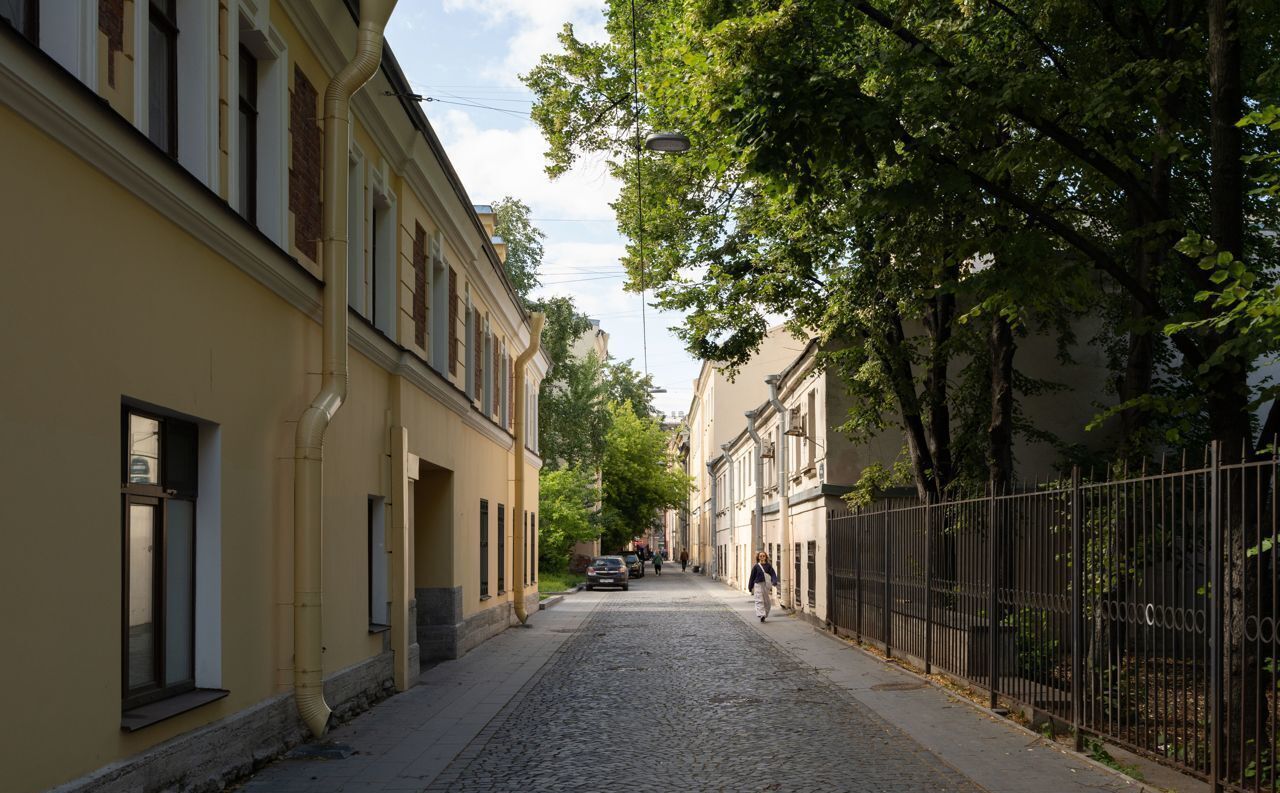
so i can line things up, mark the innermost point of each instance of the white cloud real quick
(498, 162)
(537, 23)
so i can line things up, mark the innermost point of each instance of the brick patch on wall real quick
(304, 168)
(453, 321)
(111, 23)
(419, 285)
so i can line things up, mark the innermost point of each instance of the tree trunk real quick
(938, 319)
(1000, 432)
(893, 354)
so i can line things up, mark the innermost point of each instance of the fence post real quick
(831, 591)
(1217, 601)
(887, 612)
(928, 588)
(1077, 612)
(857, 571)
(993, 620)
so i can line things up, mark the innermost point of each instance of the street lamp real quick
(667, 142)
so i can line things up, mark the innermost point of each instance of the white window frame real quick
(357, 254)
(382, 268)
(199, 66)
(69, 34)
(468, 346)
(255, 32)
(438, 308)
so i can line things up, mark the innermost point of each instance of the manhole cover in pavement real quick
(898, 686)
(322, 751)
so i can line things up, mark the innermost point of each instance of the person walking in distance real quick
(762, 578)
(684, 559)
(657, 564)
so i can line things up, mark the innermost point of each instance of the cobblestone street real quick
(674, 686)
(664, 688)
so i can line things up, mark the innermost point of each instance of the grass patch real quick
(557, 582)
(1097, 751)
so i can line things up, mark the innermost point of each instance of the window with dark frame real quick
(813, 573)
(533, 557)
(248, 120)
(502, 549)
(24, 16)
(795, 582)
(158, 505)
(162, 75)
(484, 548)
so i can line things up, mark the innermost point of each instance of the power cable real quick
(635, 89)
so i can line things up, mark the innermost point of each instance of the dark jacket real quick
(758, 573)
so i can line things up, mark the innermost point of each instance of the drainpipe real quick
(308, 533)
(522, 441)
(731, 503)
(757, 528)
(715, 549)
(780, 454)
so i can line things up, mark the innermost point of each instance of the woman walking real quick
(657, 564)
(762, 577)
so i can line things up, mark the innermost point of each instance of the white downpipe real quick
(780, 454)
(308, 525)
(757, 527)
(522, 438)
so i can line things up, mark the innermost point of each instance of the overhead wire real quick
(635, 88)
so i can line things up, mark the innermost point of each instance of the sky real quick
(464, 54)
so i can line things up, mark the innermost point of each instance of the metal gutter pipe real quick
(780, 454)
(731, 504)
(308, 475)
(757, 528)
(715, 558)
(520, 549)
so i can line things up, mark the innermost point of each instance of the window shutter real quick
(453, 321)
(511, 393)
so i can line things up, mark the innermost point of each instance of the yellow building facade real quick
(162, 337)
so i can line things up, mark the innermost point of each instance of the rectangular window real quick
(504, 394)
(813, 573)
(162, 75)
(439, 315)
(533, 557)
(795, 582)
(158, 493)
(484, 548)
(502, 549)
(24, 16)
(528, 547)
(379, 616)
(812, 429)
(248, 125)
(486, 392)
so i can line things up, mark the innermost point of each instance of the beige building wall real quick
(130, 284)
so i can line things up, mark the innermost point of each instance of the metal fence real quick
(1132, 643)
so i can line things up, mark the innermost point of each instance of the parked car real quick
(608, 571)
(634, 566)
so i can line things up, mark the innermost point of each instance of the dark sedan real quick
(608, 571)
(635, 566)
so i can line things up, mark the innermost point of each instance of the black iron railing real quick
(1132, 643)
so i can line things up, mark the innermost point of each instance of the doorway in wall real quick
(436, 592)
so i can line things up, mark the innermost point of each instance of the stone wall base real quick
(444, 635)
(209, 758)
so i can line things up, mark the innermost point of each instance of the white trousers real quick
(763, 600)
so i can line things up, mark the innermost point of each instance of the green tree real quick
(573, 416)
(624, 383)
(639, 476)
(567, 499)
(524, 243)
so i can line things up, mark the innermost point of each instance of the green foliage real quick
(639, 476)
(1035, 642)
(573, 415)
(624, 384)
(524, 243)
(566, 514)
